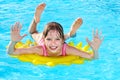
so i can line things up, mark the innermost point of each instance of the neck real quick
(54, 54)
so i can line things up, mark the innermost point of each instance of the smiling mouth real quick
(53, 47)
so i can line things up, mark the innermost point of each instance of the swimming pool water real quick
(101, 14)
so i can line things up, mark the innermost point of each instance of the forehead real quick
(53, 32)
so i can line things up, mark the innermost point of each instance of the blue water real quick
(101, 14)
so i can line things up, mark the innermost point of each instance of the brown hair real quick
(54, 26)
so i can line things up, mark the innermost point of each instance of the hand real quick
(95, 43)
(15, 32)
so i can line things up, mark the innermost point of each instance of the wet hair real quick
(54, 26)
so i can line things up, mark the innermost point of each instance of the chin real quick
(53, 52)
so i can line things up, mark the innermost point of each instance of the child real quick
(52, 43)
(34, 33)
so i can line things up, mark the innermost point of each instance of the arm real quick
(11, 46)
(30, 50)
(15, 37)
(74, 51)
(95, 44)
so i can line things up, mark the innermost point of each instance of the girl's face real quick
(53, 41)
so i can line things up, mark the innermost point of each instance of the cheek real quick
(47, 42)
(60, 43)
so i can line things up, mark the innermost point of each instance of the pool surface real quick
(96, 14)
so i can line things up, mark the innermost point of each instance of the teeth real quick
(53, 47)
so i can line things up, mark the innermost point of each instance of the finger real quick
(96, 33)
(88, 41)
(93, 34)
(12, 29)
(100, 34)
(20, 26)
(15, 26)
(102, 38)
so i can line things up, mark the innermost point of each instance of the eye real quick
(57, 38)
(48, 39)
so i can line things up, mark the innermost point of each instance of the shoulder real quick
(70, 49)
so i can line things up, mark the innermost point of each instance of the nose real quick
(53, 42)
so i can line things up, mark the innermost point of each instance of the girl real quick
(52, 43)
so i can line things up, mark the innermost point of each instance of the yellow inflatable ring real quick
(50, 61)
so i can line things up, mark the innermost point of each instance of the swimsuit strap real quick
(64, 49)
(41, 43)
(44, 50)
